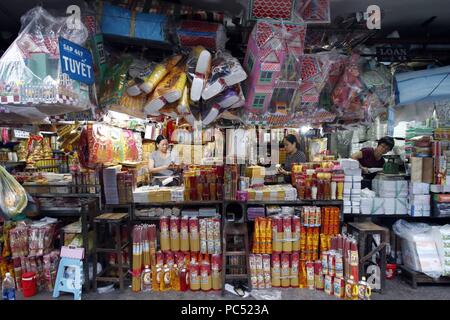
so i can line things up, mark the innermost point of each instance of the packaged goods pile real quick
(197, 86)
(31, 70)
(352, 186)
(293, 251)
(283, 192)
(190, 255)
(203, 183)
(319, 180)
(28, 252)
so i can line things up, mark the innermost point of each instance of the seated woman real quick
(161, 164)
(294, 155)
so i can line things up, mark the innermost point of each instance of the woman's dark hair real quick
(387, 141)
(160, 138)
(293, 139)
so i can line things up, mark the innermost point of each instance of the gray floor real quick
(395, 290)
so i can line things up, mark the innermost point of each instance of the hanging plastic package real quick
(273, 66)
(378, 80)
(226, 71)
(138, 71)
(13, 198)
(347, 95)
(158, 73)
(313, 11)
(169, 90)
(222, 102)
(198, 68)
(112, 89)
(31, 80)
(123, 23)
(200, 33)
(183, 107)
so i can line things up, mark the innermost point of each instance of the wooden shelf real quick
(235, 253)
(236, 276)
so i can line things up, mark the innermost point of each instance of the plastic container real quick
(8, 288)
(29, 285)
(390, 270)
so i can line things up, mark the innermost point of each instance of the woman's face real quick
(163, 145)
(290, 147)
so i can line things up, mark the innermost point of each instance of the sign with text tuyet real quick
(76, 61)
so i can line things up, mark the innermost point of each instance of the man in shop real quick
(373, 158)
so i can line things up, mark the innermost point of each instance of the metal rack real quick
(87, 211)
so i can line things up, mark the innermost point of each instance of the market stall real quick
(180, 161)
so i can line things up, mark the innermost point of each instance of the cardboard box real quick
(419, 188)
(372, 206)
(416, 169)
(427, 170)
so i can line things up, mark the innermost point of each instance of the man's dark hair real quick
(389, 141)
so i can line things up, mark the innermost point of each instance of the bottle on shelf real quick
(146, 279)
(8, 288)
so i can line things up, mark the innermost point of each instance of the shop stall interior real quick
(225, 150)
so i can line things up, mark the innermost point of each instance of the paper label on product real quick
(76, 61)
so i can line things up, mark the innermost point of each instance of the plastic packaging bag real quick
(30, 70)
(227, 99)
(169, 90)
(226, 71)
(273, 66)
(346, 95)
(262, 294)
(13, 198)
(198, 68)
(419, 248)
(313, 11)
(200, 33)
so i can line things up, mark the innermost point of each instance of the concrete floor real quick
(395, 290)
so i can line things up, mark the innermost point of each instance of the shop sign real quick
(393, 54)
(20, 134)
(76, 61)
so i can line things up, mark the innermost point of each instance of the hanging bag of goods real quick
(169, 90)
(198, 68)
(32, 82)
(212, 108)
(13, 198)
(226, 71)
(347, 95)
(200, 33)
(123, 23)
(272, 61)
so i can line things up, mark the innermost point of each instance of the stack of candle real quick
(318, 181)
(144, 252)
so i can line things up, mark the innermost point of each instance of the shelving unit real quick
(87, 212)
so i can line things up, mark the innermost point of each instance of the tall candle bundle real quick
(137, 258)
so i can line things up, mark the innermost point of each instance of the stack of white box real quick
(419, 199)
(394, 194)
(352, 186)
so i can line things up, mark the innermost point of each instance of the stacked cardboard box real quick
(352, 186)
(419, 199)
(391, 198)
(148, 194)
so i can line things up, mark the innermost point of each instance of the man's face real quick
(382, 149)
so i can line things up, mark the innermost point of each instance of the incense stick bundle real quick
(152, 240)
(137, 259)
(146, 244)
